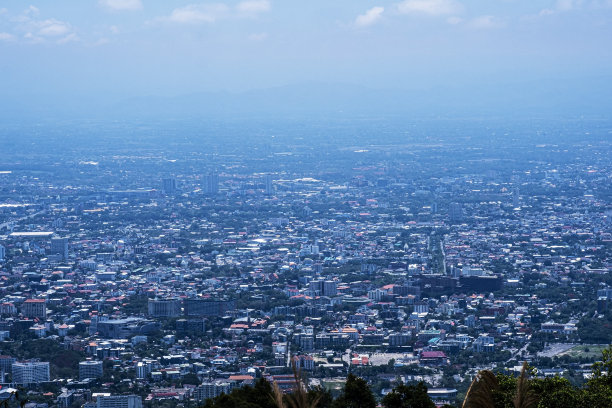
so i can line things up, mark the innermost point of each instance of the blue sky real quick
(118, 48)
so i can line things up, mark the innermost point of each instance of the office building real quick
(34, 308)
(90, 369)
(455, 212)
(211, 184)
(27, 373)
(164, 307)
(204, 307)
(2, 253)
(169, 185)
(119, 401)
(209, 390)
(59, 246)
(268, 187)
(515, 197)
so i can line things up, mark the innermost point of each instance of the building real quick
(433, 358)
(169, 185)
(59, 246)
(27, 373)
(204, 307)
(34, 308)
(211, 184)
(164, 307)
(209, 390)
(124, 328)
(90, 369)
(119, 401)
(143, 369)
(2, 253)
(330, 288)
(455, 212)
(268, 187)
(304, 362)
(6, 362)
(442, 396)
(515, 197)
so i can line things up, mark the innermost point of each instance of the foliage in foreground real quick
(488, 390)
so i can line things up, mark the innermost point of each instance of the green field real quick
(589, 351)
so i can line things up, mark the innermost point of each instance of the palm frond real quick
(524, 397)
(277, 395)
(480, 393)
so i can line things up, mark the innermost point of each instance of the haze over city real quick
(315, 204)
(450, 57)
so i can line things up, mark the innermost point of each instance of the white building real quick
(30, 373)
(211, 390)
(119, 401)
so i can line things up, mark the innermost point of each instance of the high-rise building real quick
(143, 369)
(455, 212)
(330, 288)
(169, 185)
(515, 197)
(211, 184)
(90, 369)
(30, 373)
(34, 308)
(119, 401)
(211, 390)
(60, 246)
(268, 187)
(164, 307)
(2, 253)
(205, 307)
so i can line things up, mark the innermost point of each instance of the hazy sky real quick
(119, 48)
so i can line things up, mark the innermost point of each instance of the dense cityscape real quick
(164, 264)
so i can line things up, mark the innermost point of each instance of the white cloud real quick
(564, 6)
(430, 7)
(258, 36)
(114, 29)
(211, 12)
(32, 10)
(30, 28)
(370, 17)
(6, 37)
(52, 28)
(567, 5)
(197, 13)
(72, 37)
(121, 5)
(454, 20)
(253, 6)
(3, 11)
(486, 22)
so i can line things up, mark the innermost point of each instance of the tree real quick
(598, 390)
(356, 394)
(408, 396)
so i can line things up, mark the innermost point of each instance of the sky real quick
(116, 49)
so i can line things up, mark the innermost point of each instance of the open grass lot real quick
(591, 351)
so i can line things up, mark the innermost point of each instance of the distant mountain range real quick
(590, 97)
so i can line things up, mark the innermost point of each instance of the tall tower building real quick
(516, 197)
(169, 185)
(2, 253)
(268, 188)
(60, 246)
(211, 184)
(455, 212)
